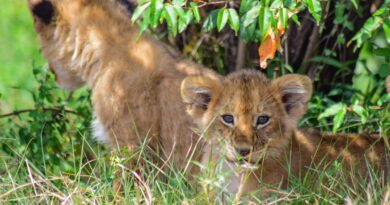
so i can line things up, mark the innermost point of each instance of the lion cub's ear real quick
(197, 93)
(294, 91)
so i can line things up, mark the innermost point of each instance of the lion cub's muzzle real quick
(243, 152)
(245, 162)
(242, 155)
(243, 146)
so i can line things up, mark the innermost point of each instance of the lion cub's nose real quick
(243, 151)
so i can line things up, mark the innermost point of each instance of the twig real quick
(212, 3)
(18, 112)
(286, 48)
(198, 44)
(165, 161)
(311, 49)
(148, 195)
(31, 178)
(28, 184)
(240, 55)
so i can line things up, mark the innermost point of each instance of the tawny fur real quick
(278, 150)
(135, 80)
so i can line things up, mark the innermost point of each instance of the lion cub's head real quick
(252, 115)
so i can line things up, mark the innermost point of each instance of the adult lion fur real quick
(135, 79)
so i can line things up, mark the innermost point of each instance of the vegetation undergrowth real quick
(47, 154)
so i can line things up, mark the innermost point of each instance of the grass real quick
(47, 156)
(92, 183)
(18, 51)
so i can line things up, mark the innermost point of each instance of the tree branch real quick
(240, 59)
(205, 3)
(19, 112)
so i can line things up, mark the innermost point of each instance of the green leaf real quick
(266, 2)
(264, 20)
(223, 16)
(327, 60)
(315, 9)
(195, 10)
(142, 1)
(384, 70)
(181, 26)
(283, 15)
(276, 4)
(355, 4)
(361, 112)
(380, 11)
(251, 15)
(234, 20)
(339, 118)
(171, 17)
(179, 2)
(156, 8)
(382, 52)
(145, 22)
(384, 99)
(364, 33)
(180, 11)
(274, 21)
(139, 11)
(335, 92)
(332, 110)
(247, 5)
(386, 28)
(244, 6)
(183, 18)
(247, 33)
(211, 21)
(296, 20)
(291, 4)
(340, 16)
(189, 16)
(183, 23)
(289, 68)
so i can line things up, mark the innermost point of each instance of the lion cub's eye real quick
(262, 120)
(228, 119)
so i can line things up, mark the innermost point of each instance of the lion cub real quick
(135, 80)
(252, 121)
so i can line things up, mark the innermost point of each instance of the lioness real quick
(255, 121)
(135, 80)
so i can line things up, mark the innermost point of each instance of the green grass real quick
(47, 156)
(18, 51)
(25, 182)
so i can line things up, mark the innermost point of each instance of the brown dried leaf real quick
(268, 47)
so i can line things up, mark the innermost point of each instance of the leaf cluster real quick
(252, 21)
